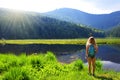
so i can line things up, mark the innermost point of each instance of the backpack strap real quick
(91, 51)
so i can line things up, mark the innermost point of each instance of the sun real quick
(16, 4)
(26, 5)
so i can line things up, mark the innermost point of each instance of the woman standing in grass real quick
(91, 50)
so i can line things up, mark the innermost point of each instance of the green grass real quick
(60, 41)
(46, 67)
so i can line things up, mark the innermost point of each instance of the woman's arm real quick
(87, 46)
(96, 48)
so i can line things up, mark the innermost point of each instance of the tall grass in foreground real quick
(46, 67)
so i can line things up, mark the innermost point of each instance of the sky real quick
(89, 6)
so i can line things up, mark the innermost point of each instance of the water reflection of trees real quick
(29, 49)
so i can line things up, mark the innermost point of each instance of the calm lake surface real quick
(65, 53)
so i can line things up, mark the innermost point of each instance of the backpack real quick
(91, 51)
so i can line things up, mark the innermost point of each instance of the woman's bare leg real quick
(93, 65)
(89, 64)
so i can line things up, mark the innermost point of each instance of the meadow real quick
(47, 67)
(60, 41)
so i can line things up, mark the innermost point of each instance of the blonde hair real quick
(91, 40)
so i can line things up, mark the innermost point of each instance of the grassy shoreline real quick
(60, 41)
(46, 67)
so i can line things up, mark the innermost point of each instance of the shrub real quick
(22, 59)
(2, 67)
(36, 62)
(98, 64)
(16, 73)
(50, 57)
(78, 65)
(7, 62)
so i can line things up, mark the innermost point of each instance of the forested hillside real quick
(114, 32)
(101, 21)
(30, 25)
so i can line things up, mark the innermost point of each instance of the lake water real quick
(65, 53)
(109, 54)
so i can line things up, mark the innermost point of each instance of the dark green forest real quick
(30, 25)
(114, 32)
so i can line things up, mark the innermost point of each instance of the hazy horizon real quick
(88, 6)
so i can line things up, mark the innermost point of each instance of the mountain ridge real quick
(99, 21)
(30, 25)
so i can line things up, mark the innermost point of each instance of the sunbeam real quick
(18, 23)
